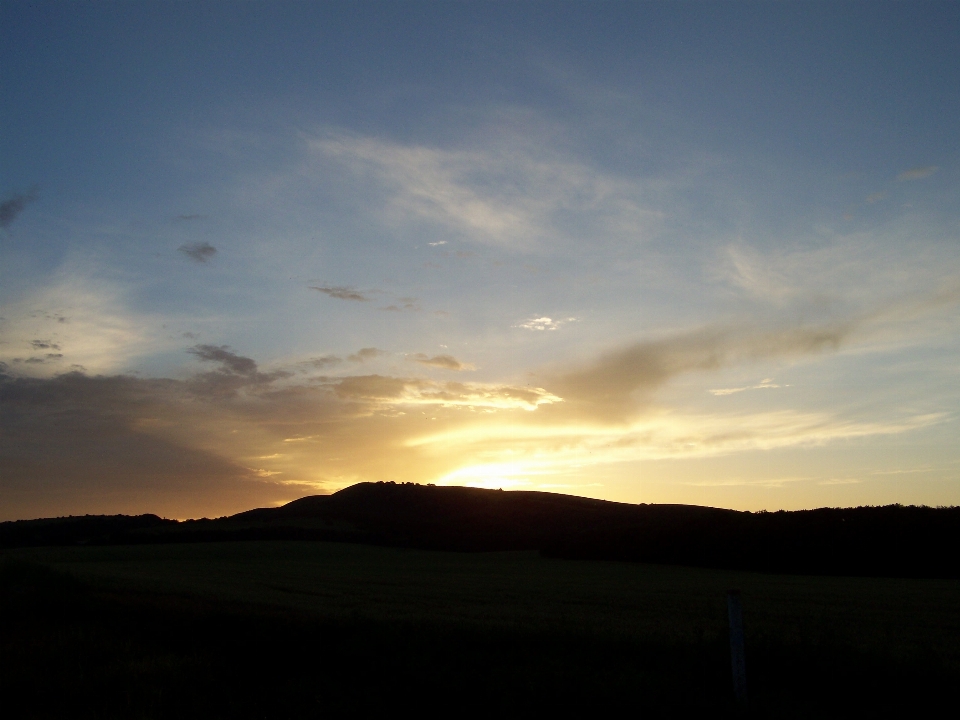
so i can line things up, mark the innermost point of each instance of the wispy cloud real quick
(445, 362)
(515, 194)
(14, 205)
(917, 173)
(341, 292)
(235, 374)
(332, 431)
(37, 359)
(364, 354)
(414, 391)
(848, 271)
(621, 379)
(765, 384)
(198, 252)
(544, 323)
(223, 354)
(86, 320)
(404, 304)
(322, 362)
(44, 345)
(910, 471)
(553, 448)
(760, 275)
(774, 482)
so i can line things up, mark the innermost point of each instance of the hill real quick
(892, 540)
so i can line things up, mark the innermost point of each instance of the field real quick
(295, 629)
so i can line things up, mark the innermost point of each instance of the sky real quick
(659, 252)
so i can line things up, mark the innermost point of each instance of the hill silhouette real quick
(893, 540)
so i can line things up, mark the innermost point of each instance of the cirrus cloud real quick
(198, 252)
(917, 173)
(544, 323)
(341, 292)
(444, 362)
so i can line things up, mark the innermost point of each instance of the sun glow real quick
(494, 475)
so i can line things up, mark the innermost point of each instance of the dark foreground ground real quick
(313, 629)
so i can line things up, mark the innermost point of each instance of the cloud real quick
(198, 252)
(115, 443)
(875, 197)
(516, 193)
(235, 373)
(728, 391)
(544, 323)
(775, 482)
(14, 205)
(414, 391)
(86, 319)
(364, 354)
(406, 303)
(759, 275)
(76, 444)
(192, 216)
(371, 387)
(341, 293)
(764, 385)
(909, 471)
(48, 358)
(446, 362)
(853, 270)
(917, 173)
(614, 384)
(223, 354)
(525, 446)
(322, 362)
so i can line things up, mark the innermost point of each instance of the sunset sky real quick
(674, 252)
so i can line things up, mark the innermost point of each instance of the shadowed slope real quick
(891, 540)
(461, 518)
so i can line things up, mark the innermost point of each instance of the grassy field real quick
(506, 628)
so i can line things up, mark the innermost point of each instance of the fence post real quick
(737, 659)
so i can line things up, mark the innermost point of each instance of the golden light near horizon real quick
(493, 476)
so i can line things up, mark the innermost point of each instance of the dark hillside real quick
(881, 541)
(79, 530)
(472, 519)
(892, 540)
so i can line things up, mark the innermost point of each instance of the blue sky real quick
(658, 252)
